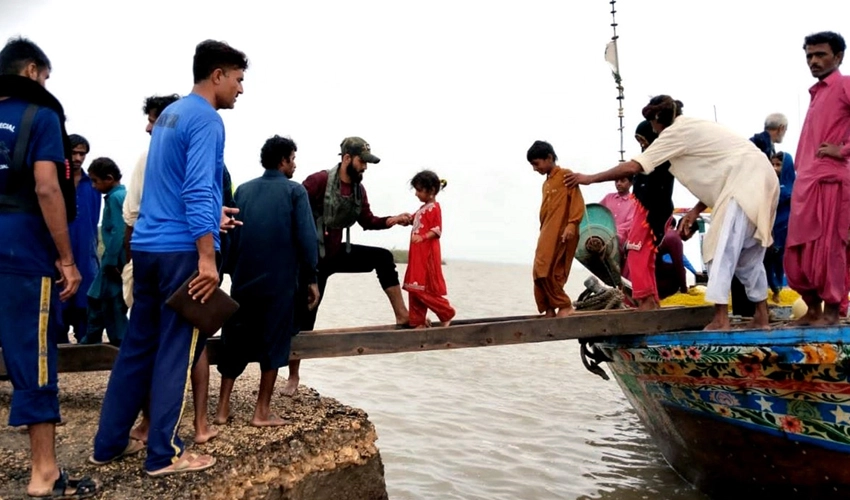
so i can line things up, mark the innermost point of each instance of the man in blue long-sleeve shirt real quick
(177, 233)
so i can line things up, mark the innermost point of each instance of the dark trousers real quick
(156, 359)
(741, 305)
(775, 267)
(74, 317)
(361, 259)
(28, 326)
(110, 314)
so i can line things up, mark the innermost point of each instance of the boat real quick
(743, 412)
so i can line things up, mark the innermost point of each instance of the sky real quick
(459, 87)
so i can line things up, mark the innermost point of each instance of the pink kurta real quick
(623, 209)
(818, 230)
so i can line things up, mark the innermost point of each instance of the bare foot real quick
(565, 311)
(272, 421)
(761, 318)
(813, 316)
(716, 325)
(291, 386)
(140, 432)
(446, 323)
(206, 435)
(421, 327)
(550, 313)
(221, 419)
(647, 304)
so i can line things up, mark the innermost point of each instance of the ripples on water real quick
(513, 422)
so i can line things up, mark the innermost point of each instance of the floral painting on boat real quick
(799, 391)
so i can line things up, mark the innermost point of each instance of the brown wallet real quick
(208, 317)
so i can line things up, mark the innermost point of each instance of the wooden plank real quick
(481, 332)
(579, 326)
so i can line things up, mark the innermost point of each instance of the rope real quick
(589, 300)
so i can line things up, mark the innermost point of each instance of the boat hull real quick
(744, 412)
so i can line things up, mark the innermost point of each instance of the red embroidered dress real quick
(424, 264)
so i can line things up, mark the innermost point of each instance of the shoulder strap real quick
(20, 158)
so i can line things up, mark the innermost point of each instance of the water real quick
(512, 422)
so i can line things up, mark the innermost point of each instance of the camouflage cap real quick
(356, 146)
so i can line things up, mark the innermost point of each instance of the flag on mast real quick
(613, 59)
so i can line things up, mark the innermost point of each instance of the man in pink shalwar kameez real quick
(816, 258)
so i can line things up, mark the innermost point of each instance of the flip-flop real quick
(133, 447)
(181, 465)
(84, 487)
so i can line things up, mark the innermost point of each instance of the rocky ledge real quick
(326, 450)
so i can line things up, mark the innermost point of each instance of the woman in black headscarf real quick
(654, 204)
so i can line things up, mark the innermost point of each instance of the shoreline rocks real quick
(325, 450)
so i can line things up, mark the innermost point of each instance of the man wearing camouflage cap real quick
(338, 200)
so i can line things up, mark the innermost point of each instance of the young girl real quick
(424, 277)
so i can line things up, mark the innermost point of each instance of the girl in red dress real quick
(424, 277)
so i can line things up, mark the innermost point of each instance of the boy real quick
(107, 309)
(561, 212)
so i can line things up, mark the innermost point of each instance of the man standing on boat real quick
(736, 180)
(816, 262)
(775, 126)
(338, 200)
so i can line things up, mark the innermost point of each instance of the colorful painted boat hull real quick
(744, 412)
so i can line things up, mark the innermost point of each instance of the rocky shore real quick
(326, 450)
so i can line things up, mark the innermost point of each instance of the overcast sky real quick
(460, 87)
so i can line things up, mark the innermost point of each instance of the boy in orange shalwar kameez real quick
(561, 212)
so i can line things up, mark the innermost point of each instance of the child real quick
(424, 277)
(783, 165)
(106, 307)
(561, 212)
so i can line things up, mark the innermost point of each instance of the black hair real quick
(427, 180)
(541, 150)
(663, 109)
(20, 52)
(77, 139)
(835, 41)
(104, 167)
(275, 150)
(211, 55)
(156, 103)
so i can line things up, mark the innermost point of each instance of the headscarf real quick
(644, 129)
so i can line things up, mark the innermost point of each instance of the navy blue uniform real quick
(29, 312)
(181, 203)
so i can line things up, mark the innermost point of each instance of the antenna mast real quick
(612, 57)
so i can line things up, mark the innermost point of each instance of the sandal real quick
(188, 462)
(133, 447)
(83, 488)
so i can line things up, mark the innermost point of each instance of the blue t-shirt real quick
(182, 199)
(26, 246)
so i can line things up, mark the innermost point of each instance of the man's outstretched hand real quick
(573, 179)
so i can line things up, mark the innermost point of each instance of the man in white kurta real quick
(131, 213)
(729, 174)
